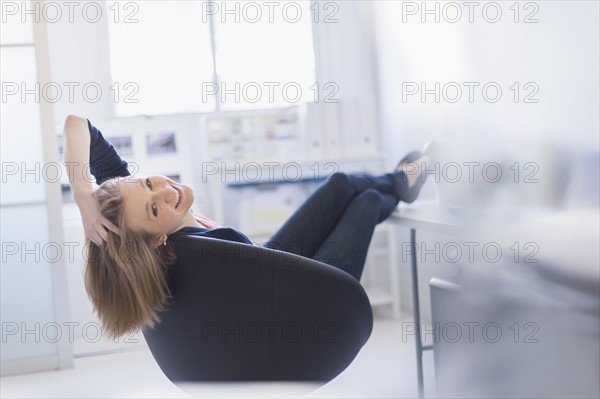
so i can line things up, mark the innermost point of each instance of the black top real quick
(106, 164)
(223, 233)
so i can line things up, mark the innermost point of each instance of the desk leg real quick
(416, 311)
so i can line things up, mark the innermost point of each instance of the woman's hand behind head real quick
(95, 225)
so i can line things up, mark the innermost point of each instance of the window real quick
(202, 56)
(158, 63)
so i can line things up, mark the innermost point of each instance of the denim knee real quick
(338, 177)
(369, 197)
(341, 179)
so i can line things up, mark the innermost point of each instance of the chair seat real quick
(246, 313)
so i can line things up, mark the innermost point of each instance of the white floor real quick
(385, 367)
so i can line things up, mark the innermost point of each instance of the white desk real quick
(425, 215)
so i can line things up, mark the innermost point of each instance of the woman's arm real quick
(77, 156)
(77, 162)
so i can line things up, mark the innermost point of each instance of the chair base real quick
(253, 389)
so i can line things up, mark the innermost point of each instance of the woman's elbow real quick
(72, 122)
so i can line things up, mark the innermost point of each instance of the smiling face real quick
(155, 204)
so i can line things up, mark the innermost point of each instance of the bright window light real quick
(275, 55)
(260, 62)
(162, 60)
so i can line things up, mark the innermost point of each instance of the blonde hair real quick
(126, 278)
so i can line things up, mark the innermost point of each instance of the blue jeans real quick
(336, 223)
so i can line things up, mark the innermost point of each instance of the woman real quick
(133, 221)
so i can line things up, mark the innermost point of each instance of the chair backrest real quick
(247, 313)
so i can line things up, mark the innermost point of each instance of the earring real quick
(165, 243)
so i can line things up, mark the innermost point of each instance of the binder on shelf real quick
(313, 131)
(333, 135)
(323, 136)
(359, 128)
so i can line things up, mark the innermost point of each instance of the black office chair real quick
(247, 313)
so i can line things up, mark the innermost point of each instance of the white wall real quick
(559, 54)
(34, 308)
(79, 53)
